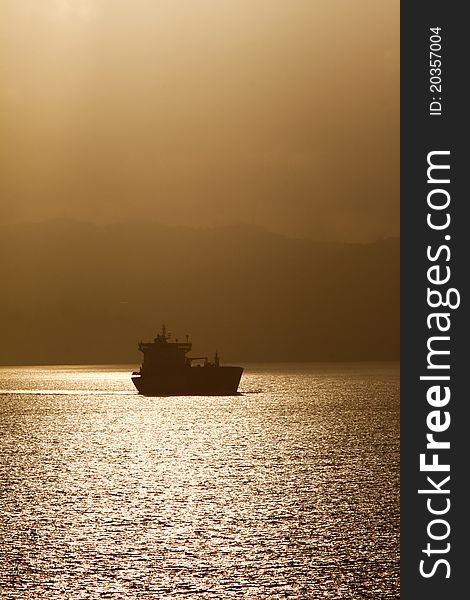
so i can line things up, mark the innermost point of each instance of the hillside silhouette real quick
(74, 292)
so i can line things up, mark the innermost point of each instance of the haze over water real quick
(288, 490)
(203, 113)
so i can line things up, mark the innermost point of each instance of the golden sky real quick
(282, 113)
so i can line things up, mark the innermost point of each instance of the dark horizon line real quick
(236, 225)
(255, 362)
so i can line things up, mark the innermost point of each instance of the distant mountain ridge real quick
(74, 292)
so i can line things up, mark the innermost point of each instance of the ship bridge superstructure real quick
(164, 355)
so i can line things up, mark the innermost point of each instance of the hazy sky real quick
(283, 113)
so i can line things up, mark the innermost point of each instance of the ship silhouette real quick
(166, 370)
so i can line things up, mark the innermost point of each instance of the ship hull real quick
(193, 381)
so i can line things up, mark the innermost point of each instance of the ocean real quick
(288, 490)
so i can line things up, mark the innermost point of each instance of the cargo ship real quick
(166, 370)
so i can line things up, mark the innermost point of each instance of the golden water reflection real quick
(289, 490)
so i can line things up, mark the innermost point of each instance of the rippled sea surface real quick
(288, 490)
